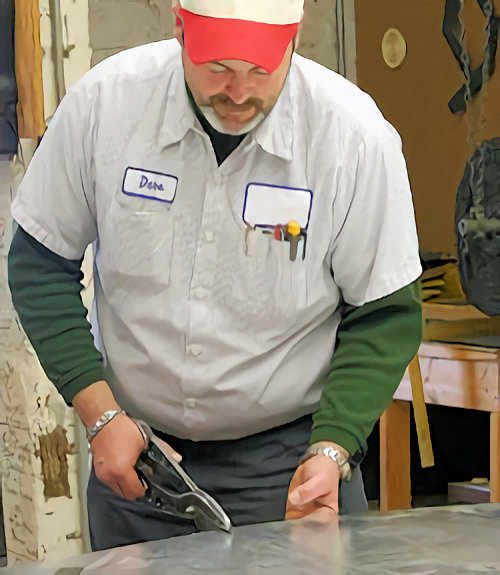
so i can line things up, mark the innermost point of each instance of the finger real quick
(312, 489)
(294, 514)
(131, 486)
(118, 490)
(166, 448)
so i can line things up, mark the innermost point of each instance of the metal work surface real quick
(438, 541)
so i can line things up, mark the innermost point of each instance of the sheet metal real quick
(438, 541)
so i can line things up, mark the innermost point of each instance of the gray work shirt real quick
(210, 329)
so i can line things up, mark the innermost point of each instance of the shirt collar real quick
(275, 134)
(179, 116)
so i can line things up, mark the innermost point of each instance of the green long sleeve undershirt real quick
(375, 342)
(46, 292)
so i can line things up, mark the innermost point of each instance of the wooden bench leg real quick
(495, 457)
(395, 480)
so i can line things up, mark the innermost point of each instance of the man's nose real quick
(239, 89)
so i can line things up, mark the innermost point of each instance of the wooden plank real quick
(420, 414)
(457, 383)
(395, 480)
(449, 312)
(495, 457)
(471, 331)
(29, 53)
(458, 352)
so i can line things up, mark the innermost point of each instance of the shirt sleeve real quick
(55, 202)
(375, 343)
(375, 253)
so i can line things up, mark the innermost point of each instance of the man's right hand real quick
(115, 451)
(118, 444)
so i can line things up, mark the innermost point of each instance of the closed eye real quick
(260, 71)
(216, 68)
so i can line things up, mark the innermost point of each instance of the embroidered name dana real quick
(150, 184)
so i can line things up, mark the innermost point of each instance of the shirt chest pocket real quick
(137, 248)
(269, 284)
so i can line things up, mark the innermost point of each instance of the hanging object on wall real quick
(8, 88)
(454, 33)
(30, 110)
(393, 48)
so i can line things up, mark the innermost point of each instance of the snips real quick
(171, 489)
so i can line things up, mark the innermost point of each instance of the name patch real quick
(269, 205)
(148, 184)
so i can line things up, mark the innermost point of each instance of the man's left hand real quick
(314, 487)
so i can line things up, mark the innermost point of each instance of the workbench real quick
(439, 540)
(454, 375)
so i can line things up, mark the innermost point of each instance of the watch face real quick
(331, 453)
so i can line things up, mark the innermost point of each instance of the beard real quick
(219, 110)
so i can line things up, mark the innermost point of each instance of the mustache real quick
(225, 99)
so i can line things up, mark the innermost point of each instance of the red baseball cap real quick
(255, 31)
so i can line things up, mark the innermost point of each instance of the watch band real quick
(334, 454)
(105, 418)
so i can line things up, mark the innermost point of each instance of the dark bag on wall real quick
(477, 224)
(477, 212)
(8, 87)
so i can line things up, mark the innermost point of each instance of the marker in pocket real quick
(279, 233)
(301, 247)
(251, 239)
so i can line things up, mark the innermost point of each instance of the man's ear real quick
(296, 40)
(177, 23)
(178, 32)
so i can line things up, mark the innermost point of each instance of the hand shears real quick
(172, 490)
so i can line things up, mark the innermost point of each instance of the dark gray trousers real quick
(249, 477)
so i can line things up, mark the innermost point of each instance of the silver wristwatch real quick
(334, 455)
(105, 418)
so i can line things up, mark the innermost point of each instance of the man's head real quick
(236, 55)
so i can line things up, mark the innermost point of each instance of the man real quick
(250, 213)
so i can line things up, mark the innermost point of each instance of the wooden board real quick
(28, 55)
(420, 414)
(458, 352)
(456, 378)
(448, 312)
(395, 480)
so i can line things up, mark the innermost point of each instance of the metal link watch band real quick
(105, 418)
(334, 454)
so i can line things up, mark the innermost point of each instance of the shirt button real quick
(209, 236)
(194, 349)
(200, 292)
(190, 403)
